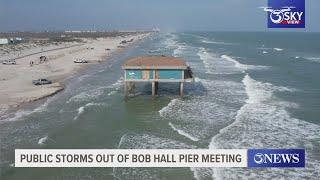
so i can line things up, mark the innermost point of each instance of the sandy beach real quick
(16, 80)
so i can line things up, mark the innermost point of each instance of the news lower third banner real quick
(160, 158)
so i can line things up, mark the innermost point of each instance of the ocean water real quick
(252, 90)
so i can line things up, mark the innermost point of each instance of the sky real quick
(171, 15)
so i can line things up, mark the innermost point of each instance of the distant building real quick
(156, 30)
(73, 31)
(4, 41)
(19, 39)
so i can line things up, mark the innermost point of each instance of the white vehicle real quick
(9, 62)
(80, 61)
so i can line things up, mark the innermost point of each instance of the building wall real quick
(169, 74)
(133, 74)
(163, 74)
(4, 41)
(151, 74)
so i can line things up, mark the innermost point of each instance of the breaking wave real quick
(263, 122)
(214, 64)
(7, 116)
(216, 42)
(42, 141)
(278, 49)
(242, 66)
(86, 96)
(313, 59)
(81, 109)
(181, 132)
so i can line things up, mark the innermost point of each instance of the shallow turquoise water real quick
(253, 90)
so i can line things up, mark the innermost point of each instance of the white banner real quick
(130, 158)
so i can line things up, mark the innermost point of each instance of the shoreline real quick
(59, 68)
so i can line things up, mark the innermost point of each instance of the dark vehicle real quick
(41, 82)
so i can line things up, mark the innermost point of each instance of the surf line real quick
(183, 133)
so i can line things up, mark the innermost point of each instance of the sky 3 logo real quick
(286, 13)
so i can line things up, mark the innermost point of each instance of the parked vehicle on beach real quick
(9, 62)
(80, 61)
(41, 81)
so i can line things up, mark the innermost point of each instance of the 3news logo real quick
(276, 158)
(286, 13)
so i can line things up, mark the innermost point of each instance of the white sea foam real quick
(263, 122)
(207, 60)
(3, 109)
(95, 92)
(214, 65)
(200, 173)
(259, 92)
(121, 140)
(148, 141)
(94, 104)
(164, 109)
(137, 173)
(264, 48)
(308, 58)
(112, 93)
(242, 66)
(43, 141)
(87, 95)
(313, 59)
(201, 116)
(43, 107)
(170, 42)
(145, 141)
(216, 42)
(19, 115)
(81, 78)
(81, 109)
(178, 52)
(6, 116)
(278, 49)
(117, 85)
(264, 52)
(181, 132)
(197, 79)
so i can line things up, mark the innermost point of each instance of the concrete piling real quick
(181, 88)
(155, 86)
(129, 88)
